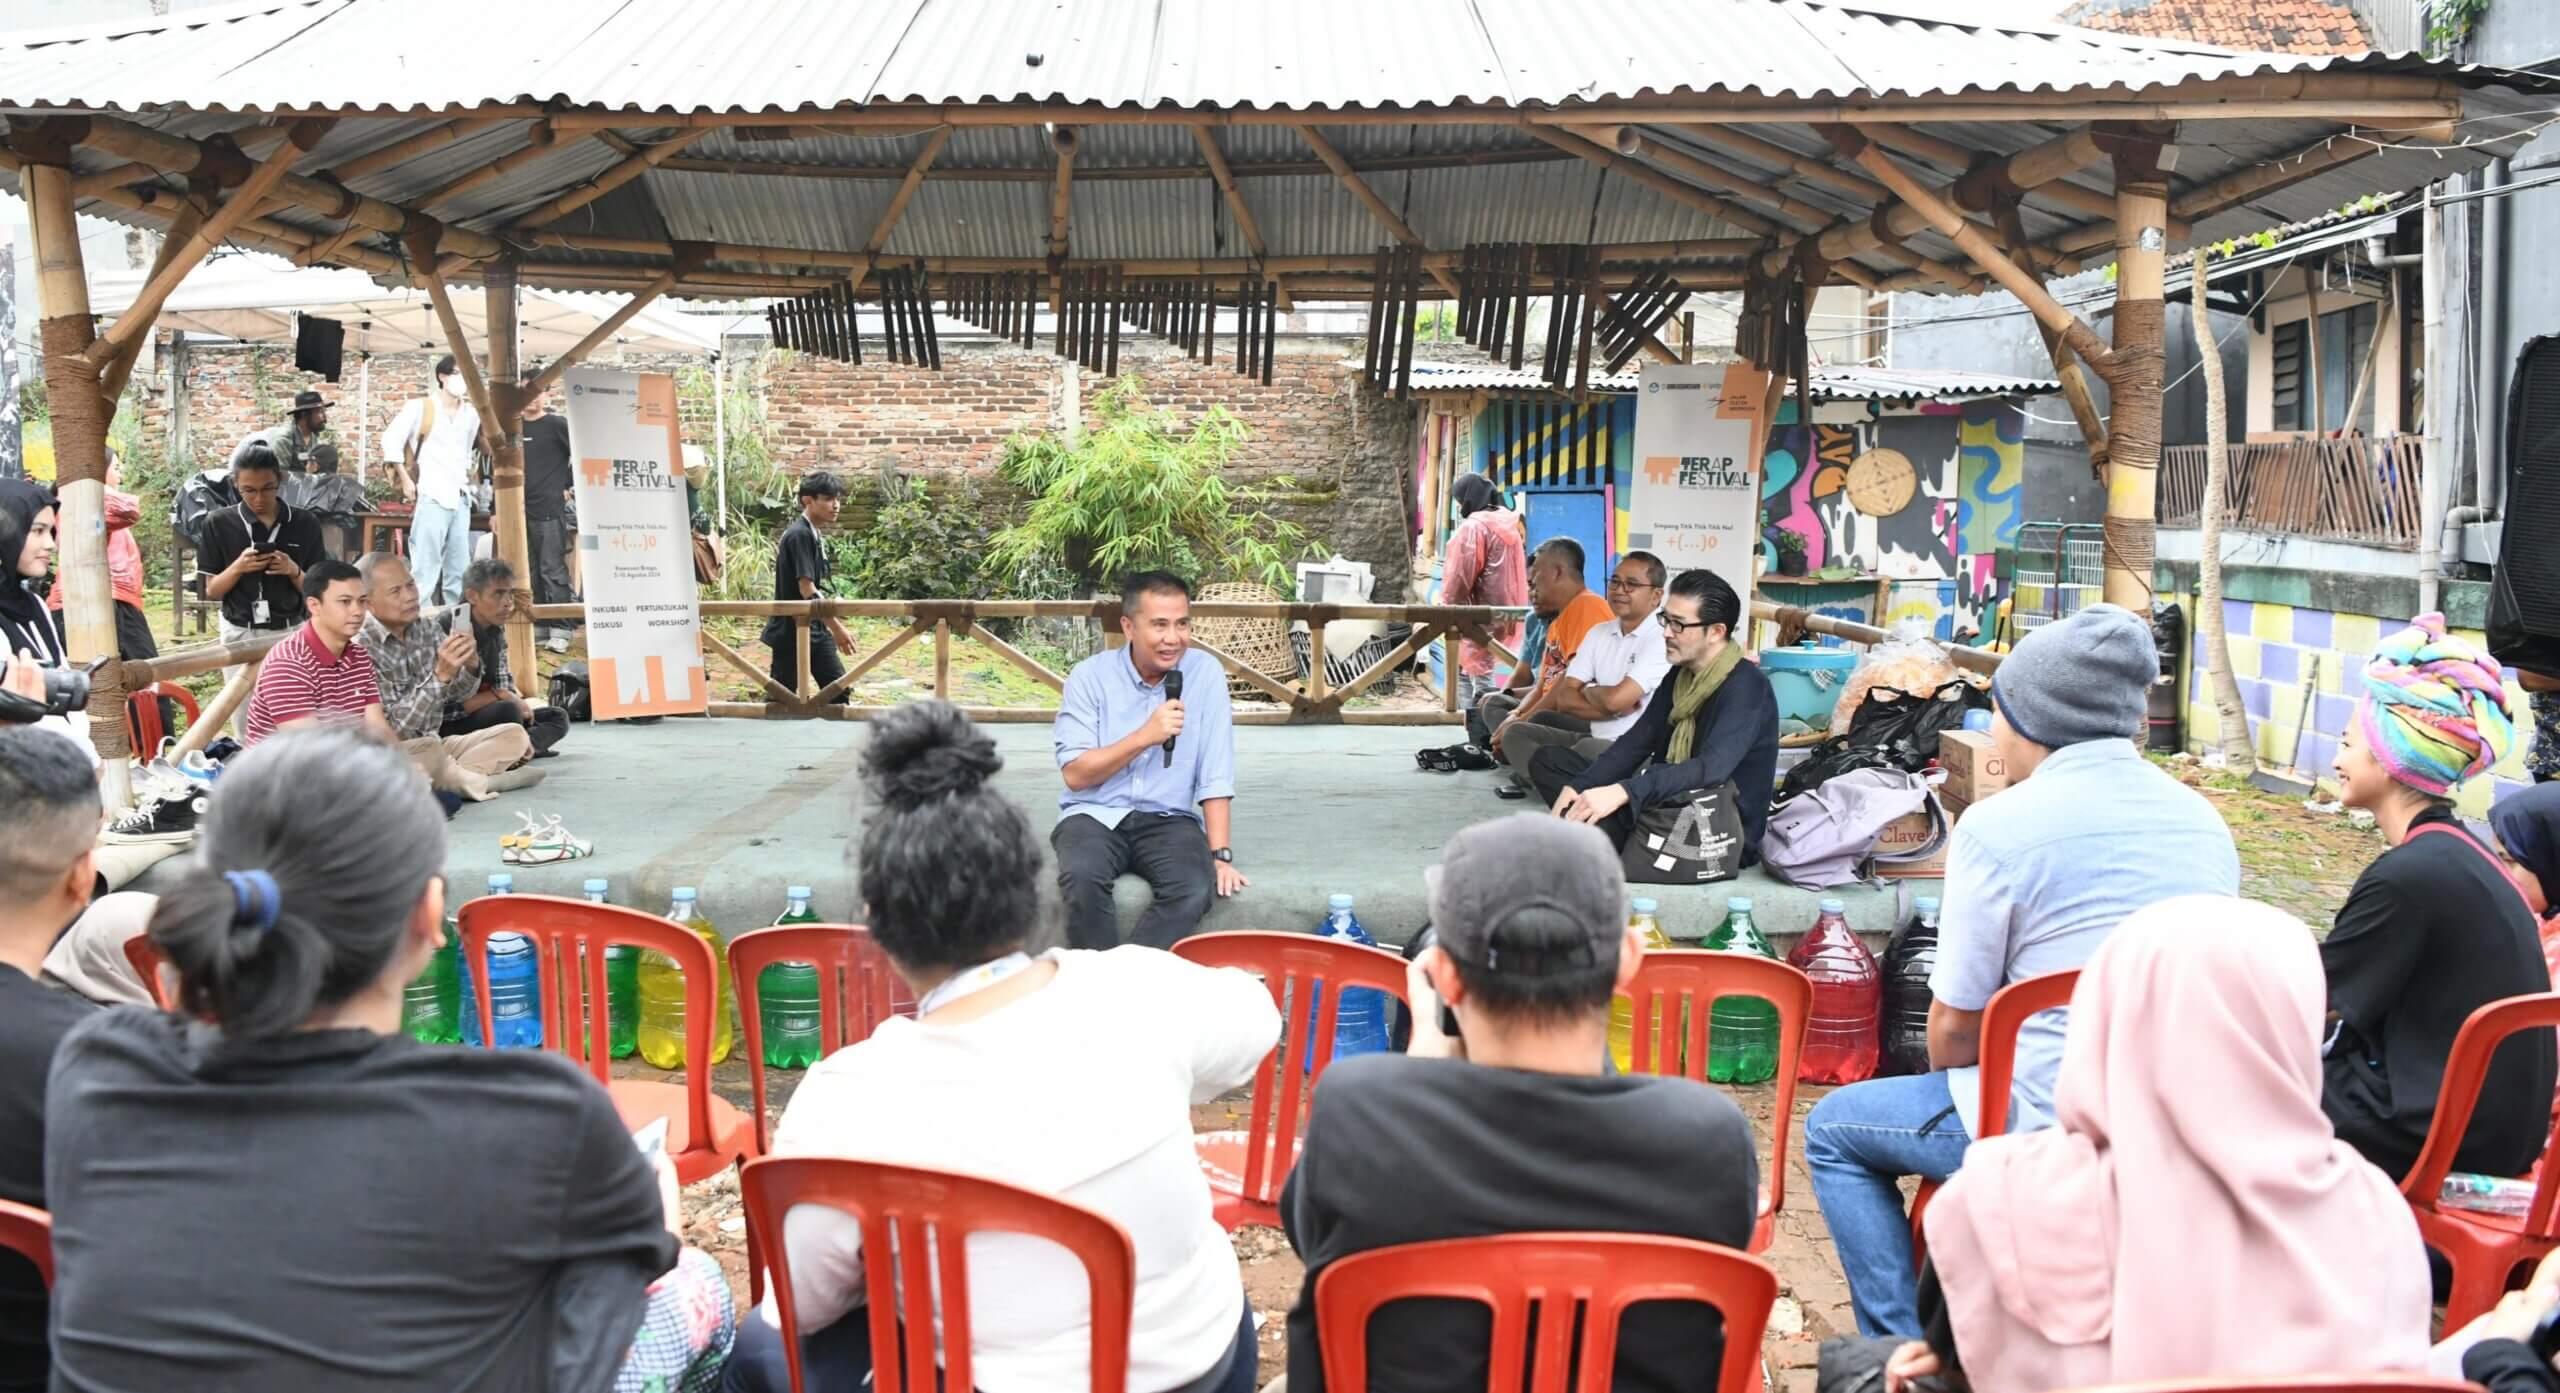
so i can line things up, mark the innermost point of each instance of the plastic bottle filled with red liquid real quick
(1848, 1000)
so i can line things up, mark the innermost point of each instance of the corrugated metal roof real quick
(195, 73)
(1883, 385)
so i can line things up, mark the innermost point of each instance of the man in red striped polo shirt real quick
(319, 674)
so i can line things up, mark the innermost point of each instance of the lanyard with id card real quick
(260, 613)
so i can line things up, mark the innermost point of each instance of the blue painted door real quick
(1583, 515)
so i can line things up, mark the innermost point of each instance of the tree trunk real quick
(2216, 646)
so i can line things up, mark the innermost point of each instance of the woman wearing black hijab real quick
(2528, 826)
(27, 628)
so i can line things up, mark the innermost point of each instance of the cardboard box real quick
(1912, 830)
(1974, 768)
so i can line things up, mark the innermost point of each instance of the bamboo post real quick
(942, 659)
(1315, 659)
(800, 627)
(80, 463)
(506, 445)
(2136, 366)
(226, 704)
(1448, 672)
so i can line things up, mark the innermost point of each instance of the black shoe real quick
(546, 754)
(1473, 757)
(157, 819)
(451, 802)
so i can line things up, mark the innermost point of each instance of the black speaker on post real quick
(319, 345)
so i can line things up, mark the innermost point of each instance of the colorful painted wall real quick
(1944, 550)
(2283, 653)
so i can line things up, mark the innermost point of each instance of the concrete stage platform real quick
(741, 808)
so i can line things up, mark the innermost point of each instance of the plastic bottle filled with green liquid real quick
(621, 986)
(787, 997)
(1622, 1021)
(1742, 1031)
(431, 1006)
(662, 992)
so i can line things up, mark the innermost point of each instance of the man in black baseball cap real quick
(1515, 1125)
(801, 569)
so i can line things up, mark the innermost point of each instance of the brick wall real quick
(1349, 450)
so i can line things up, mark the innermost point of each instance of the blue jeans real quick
(1857, 1143)
(439, 550)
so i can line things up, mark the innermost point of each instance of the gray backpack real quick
(1826, 835)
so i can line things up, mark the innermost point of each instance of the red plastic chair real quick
(1677, 981)
(1246, 1169)
(2484, 1249)
(935, 1211)
(146, 960)
(857, 990)
(142, 715)
(2002, 1016)
(1549, 1278)
(28, 1232)
(705, 1132)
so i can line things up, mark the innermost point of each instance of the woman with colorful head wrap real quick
(2433, 929)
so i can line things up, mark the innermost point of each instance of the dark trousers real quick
(825, 664)
(1555, 766)
(545, 726)
(549, 538)
(133, 641)
(838, 1358)
(1168, 850)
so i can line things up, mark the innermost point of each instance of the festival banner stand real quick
(1694, 498)
(635, 546)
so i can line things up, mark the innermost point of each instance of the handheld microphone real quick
(1172, 692)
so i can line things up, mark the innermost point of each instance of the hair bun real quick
(925, 750)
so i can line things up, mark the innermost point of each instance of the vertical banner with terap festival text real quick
(635, 546)
(1695, 495)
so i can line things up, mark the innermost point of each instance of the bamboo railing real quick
(2353, 489)
(1794, 622)
(1315, 701)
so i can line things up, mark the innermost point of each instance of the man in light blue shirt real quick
(2037, 878)
(1150, 767)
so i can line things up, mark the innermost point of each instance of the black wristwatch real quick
(1225, 855)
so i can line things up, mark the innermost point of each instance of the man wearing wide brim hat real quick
(298, 442)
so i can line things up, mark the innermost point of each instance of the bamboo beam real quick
(2066, 364)
(1971, 659)
(145, 310)
(540, 141)
(612, 178)
(860, 670)
(80, 454)
(1387, 217)
(178, 155)
(1683, 249)
(907, 187)
(1688, 195)
(604, 331)
(422, 251)
(1060, 197)
(1750, 146)
(2028, 169)
(1259, 680)
(1403, 653)
(226, 704)
(119, 366)
(1033, 666)
(1225, 175)
(409, 148)
(1041, 174)
(774, 691)
(1953, 226)
(121, 176)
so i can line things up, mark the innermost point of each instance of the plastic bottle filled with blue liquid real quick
(1360, 1023)
(515, 986)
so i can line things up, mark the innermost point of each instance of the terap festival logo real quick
(1706, 473)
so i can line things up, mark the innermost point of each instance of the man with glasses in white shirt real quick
(1612, 674)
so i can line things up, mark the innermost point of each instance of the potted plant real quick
(1791, 551)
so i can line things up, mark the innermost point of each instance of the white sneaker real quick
(557, 643)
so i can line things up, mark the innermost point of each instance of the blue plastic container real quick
(1360, 1023)
(515, 986)
(1807, 680)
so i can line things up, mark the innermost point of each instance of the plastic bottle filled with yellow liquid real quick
(1622, 1011)
(662, 992)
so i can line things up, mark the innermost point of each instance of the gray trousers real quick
(1544, 729)
(550, 541)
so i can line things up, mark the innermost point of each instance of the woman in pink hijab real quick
(2192, 1213)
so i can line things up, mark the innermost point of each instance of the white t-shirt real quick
(444, 457)
(1082, 1090)
(1610, 655)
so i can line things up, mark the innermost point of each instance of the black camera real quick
(66, 689)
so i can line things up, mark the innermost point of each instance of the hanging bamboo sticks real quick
(1636, 315)
(1394, 302)
(1005, 304)
(906, 316)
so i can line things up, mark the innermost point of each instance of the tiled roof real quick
(2269, 26)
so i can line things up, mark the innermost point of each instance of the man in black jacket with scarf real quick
(1715, 719)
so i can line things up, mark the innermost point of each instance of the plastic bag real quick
(1910, 662)
(1888, 729)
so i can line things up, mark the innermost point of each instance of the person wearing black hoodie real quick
(28, 631)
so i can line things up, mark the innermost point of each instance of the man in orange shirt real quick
(1555, 586)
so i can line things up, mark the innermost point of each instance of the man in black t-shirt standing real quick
(801, 570)
(549, 490)
(49, 823)
(1514, 1125)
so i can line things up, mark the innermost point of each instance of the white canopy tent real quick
(255, 298)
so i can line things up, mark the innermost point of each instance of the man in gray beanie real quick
(2037, 877)
(1514, 1125)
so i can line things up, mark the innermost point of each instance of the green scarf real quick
(1689, 693)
